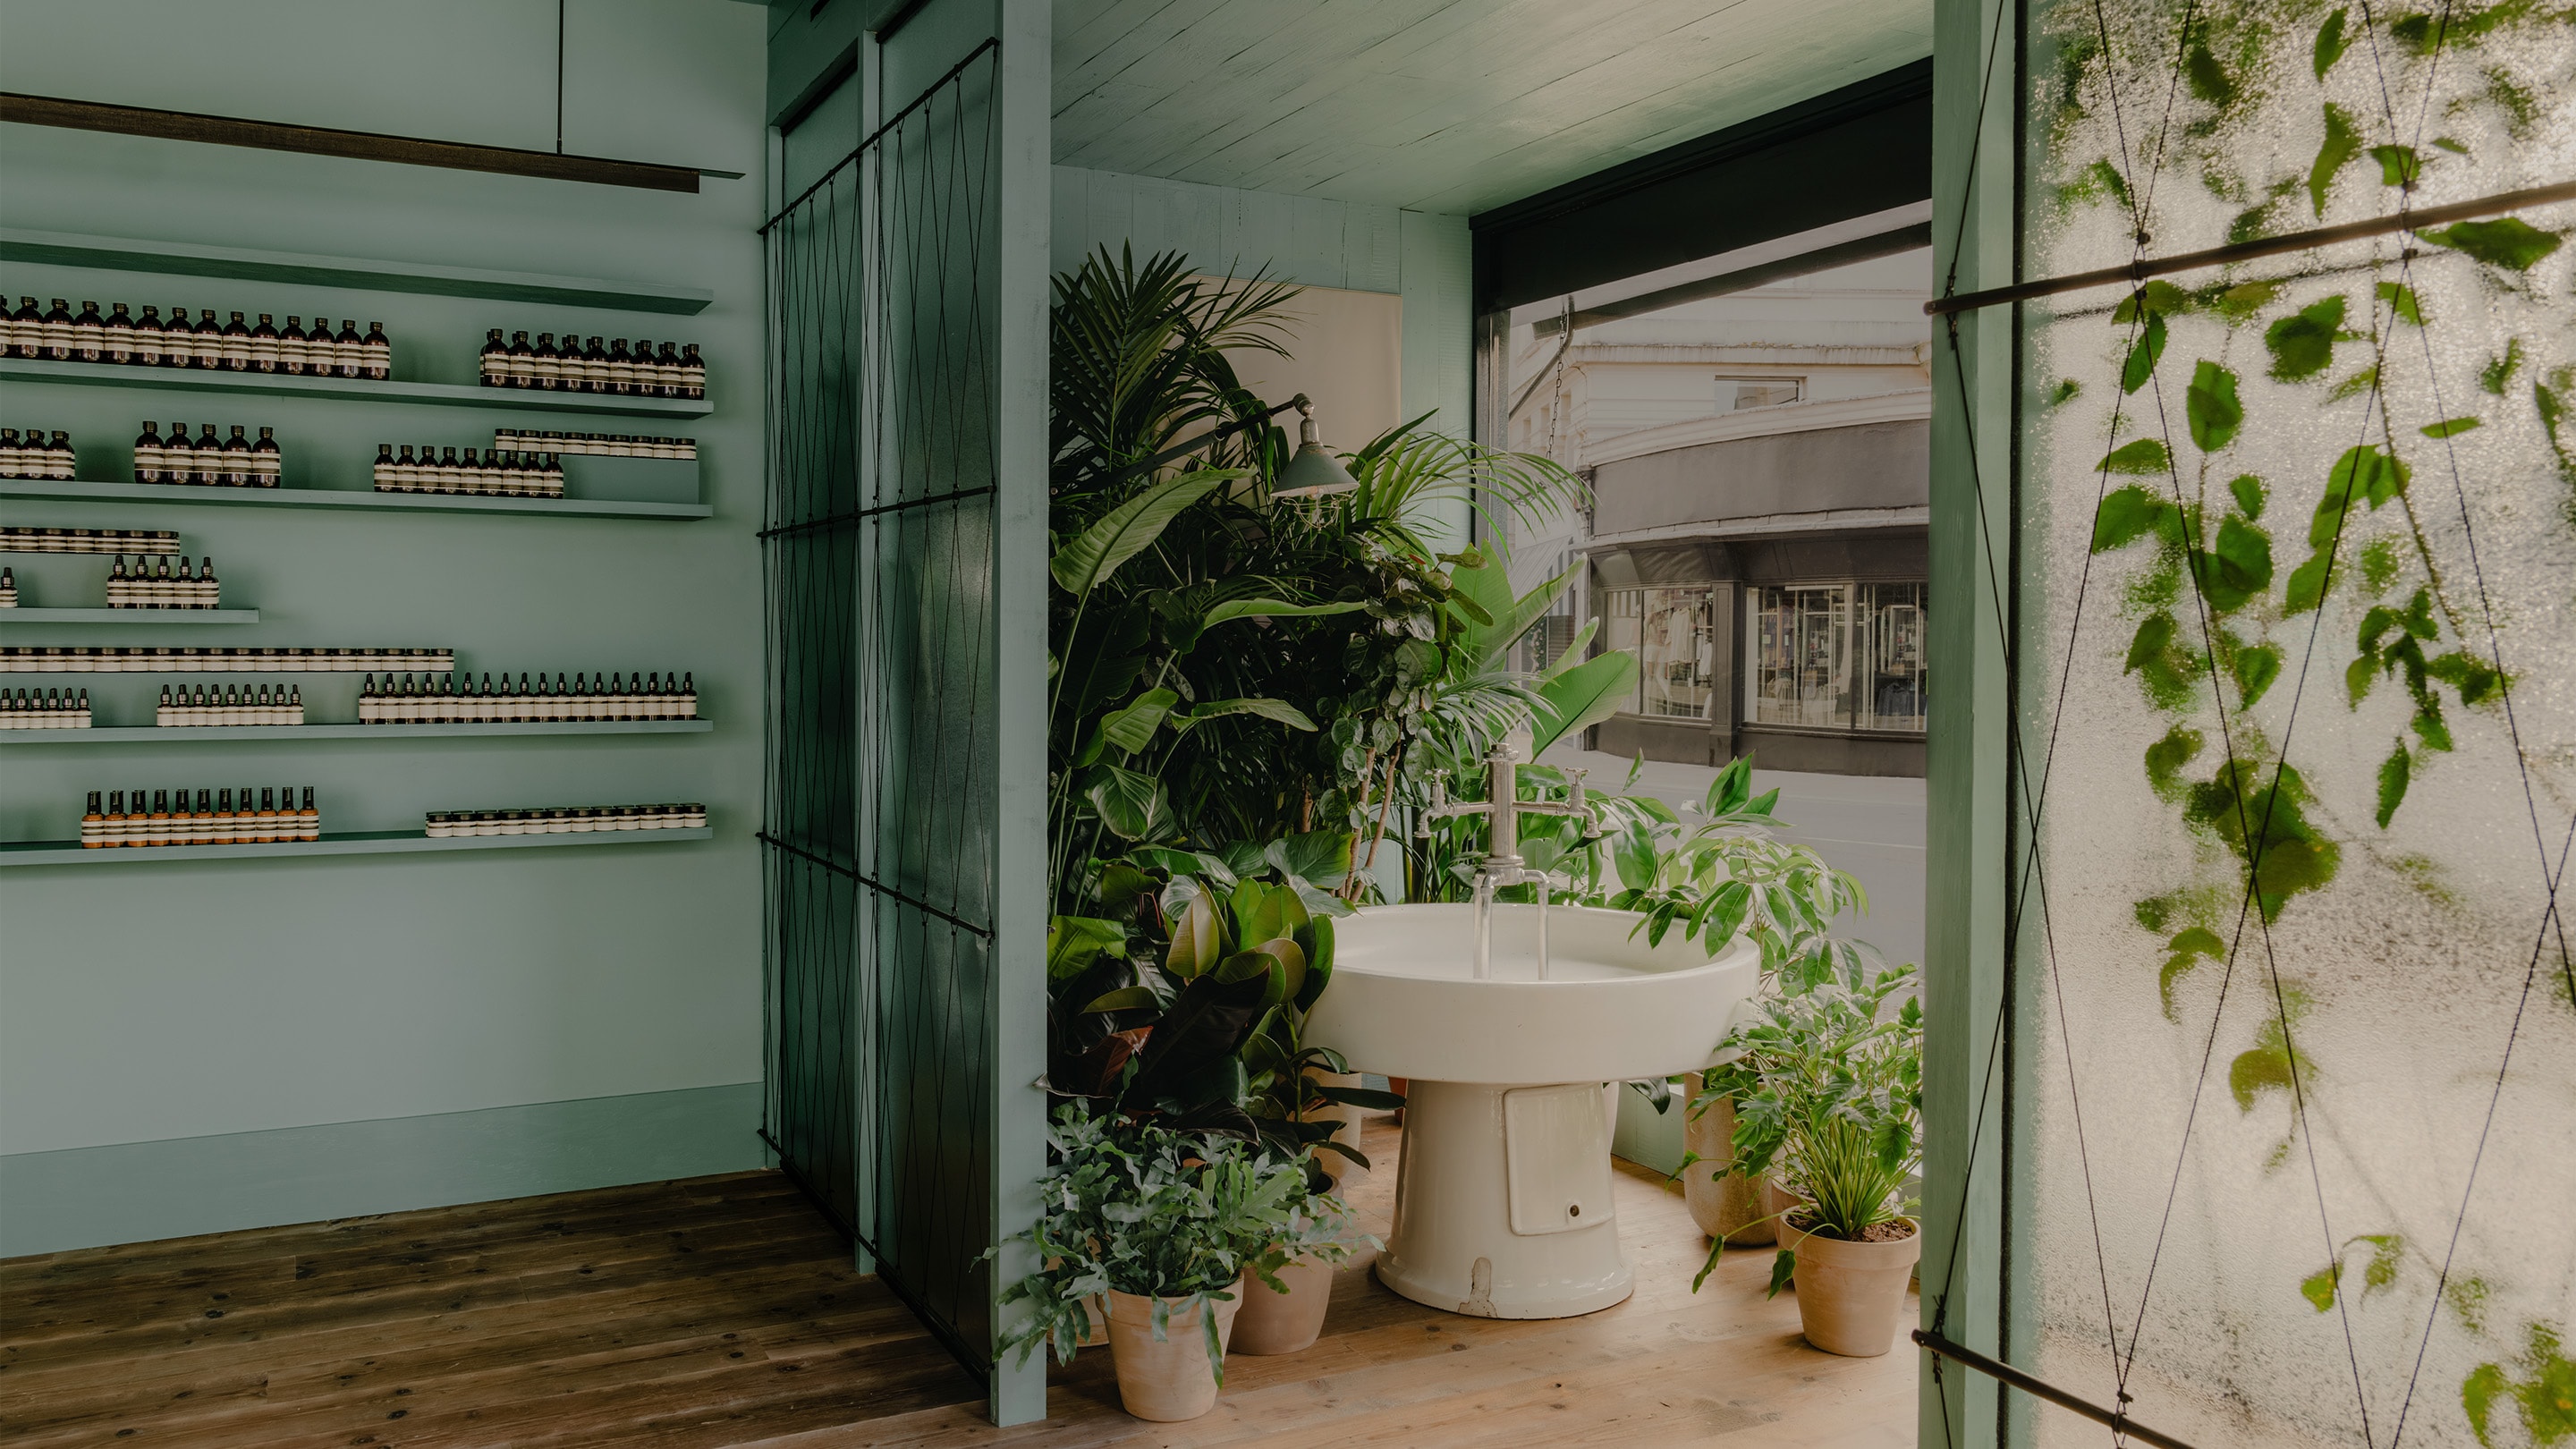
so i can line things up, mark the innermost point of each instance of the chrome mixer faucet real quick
(1501, 865)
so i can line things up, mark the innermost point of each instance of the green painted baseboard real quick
(85, 1197)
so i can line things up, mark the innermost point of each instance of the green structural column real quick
(1020, 582)
(1966, 971)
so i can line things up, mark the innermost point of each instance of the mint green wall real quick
(141, 1004)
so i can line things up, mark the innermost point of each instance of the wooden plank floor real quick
(722, 1312)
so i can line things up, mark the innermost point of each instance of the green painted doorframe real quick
(1968, 1073)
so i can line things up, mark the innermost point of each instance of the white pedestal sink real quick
(1502, 1196)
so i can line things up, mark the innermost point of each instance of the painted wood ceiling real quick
(1441, 105)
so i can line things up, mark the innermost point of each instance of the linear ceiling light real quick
(358, 145)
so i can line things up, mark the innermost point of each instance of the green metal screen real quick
(880, 847)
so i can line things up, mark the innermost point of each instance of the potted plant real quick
(1283, 1306)
(1168, 1226)
(1827, 1088)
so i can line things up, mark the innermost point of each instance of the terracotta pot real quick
(1723, 1206)
(1850, 1295)
(1171, 1379)
(1276, 1322)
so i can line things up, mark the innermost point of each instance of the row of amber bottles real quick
(163, 587)
(61, 335)
(214, 820)
(236, 462)
(570, 366)
(31, 456)
(459, 699)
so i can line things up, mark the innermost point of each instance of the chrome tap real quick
(1502, 865)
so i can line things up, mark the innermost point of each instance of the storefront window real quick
(1891, 654)
(1800, 656)
(1673, 634)
(1835, 656)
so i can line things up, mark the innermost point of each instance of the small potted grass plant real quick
(1168, 1226)
(1827, 1088)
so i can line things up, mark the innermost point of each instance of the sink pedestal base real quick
(1502, 1202)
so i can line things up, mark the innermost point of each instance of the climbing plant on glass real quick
(2326, 754)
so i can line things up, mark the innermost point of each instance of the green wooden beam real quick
(1024, 185)
(1966, 973)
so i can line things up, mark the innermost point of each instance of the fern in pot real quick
(1165, 1228)
(1828, 1090)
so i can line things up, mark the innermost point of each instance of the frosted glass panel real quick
(2281, 523)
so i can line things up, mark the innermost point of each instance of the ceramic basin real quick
(1405, 1002)
(1503, 1197)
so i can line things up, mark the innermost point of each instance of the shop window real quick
(1835, 656)
(1735, 394)
(1673, 633)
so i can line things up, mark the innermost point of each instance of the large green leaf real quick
(2302, 344)
(1275, 709)
(1572, 654)
(1132, 728)
(2141, 363)
(1486, 582)
(1320, 856)
(2130, 513)
(2508, 241)
(2143, 455)
(2342, 143)
(1272, 609)
(1582, 697)
(1130, 528)
(1074, 942)
(1131, 804)
(2212, 408)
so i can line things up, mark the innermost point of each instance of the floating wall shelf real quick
(195, 734)
(187, 259)
(192, 494)
(355, 389)
(128, 616)
(363, 842)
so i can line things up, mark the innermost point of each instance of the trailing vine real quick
(2260, 582)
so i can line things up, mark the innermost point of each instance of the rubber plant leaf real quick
(1131, 528)
(1205, 1025)
(1198, 938)
(1319, 964)
(1582, 697)
(1125, 998)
